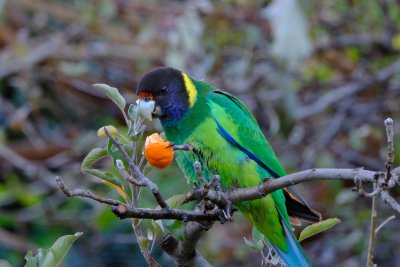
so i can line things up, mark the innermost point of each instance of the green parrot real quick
(228, 141)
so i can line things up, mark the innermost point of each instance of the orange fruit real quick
(158, 152)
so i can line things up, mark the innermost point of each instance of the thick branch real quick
(249, 193)
(126, 211)
(192, 234)
(270, 185)
(184, 252)
(390, 200)
(234, 195)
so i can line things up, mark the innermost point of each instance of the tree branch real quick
(124, 211)
(380, 188)
(236, 195)
(184, 252)
(85, 193)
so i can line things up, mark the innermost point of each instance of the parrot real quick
(228, 141)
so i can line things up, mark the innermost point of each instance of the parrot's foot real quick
(225, 214)
(211, 196)
(185, 147)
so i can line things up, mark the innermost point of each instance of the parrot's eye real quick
(164, 89)
(145, 96)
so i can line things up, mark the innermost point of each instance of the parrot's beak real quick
(146, 108)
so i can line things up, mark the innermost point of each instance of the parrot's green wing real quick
(236, 123)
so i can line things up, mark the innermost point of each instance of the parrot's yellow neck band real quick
(190, 89)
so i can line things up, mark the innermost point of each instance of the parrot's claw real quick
(225, 214)
(184, 147)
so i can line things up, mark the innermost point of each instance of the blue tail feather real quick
(295, 256)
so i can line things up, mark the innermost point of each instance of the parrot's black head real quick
(162, 93)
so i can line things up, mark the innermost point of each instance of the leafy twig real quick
(137, 174)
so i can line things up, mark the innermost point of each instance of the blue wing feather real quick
(230, 139)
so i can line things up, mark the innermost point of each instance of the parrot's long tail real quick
(294, 256)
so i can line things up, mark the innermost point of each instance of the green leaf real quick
(53, 256)
(143, 242)
(256, 246)
(135, 134)
(133, 112)
(93, 156)
(147, 169)
(172, 225)
(158, 226)
(175, 201)
(59, 249)
(104, 176)
(316, 228)
(31, 261)
(257, 235)
(113, 94)
(4, 263)
(115, 154)
(275, 259)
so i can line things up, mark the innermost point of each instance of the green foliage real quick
(317, 228)
(53, 256)
(256, 246)
(113, 94)
(258, 240)
(93, 156)
(4, 263)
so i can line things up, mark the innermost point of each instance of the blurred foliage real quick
(52, 51)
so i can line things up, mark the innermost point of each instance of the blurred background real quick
(320, 76)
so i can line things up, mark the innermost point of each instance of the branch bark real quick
(184, 252)
(250, 193)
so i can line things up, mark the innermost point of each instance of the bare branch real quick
(187, 247)
(390, 200)
(222, 199)
(374, 214)
(84, 193)
(384, 223)
(126, 175)
(250, 193)
(124, 211)
(360, 190)
(379, 188)
(184, 252)
(390, 147)
(197, 168)
(270, 185)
